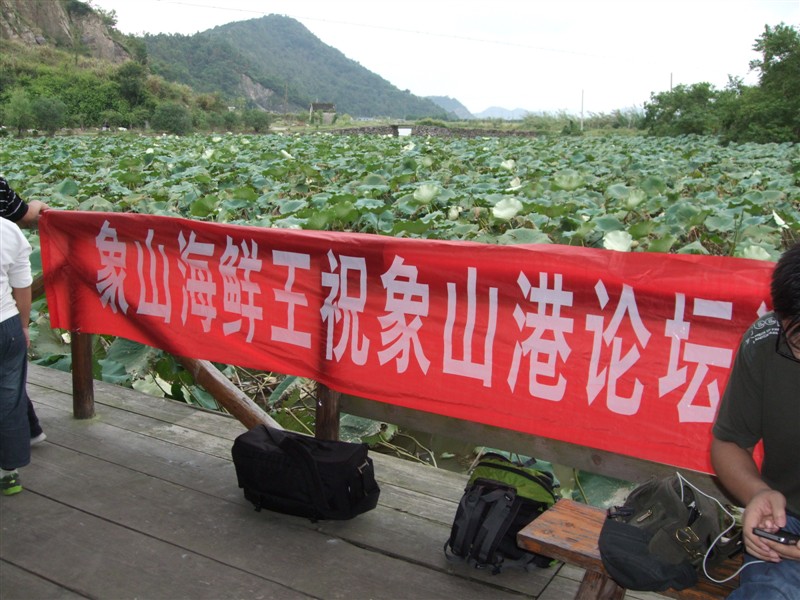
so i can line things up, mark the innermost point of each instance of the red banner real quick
(627, 352)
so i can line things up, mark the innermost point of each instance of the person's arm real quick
(22, 296)
(737, 470)
(15, 209)
(31, 216)
(764, 507)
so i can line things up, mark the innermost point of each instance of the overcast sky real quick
(538, 55)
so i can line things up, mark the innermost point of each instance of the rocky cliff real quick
(67, 24)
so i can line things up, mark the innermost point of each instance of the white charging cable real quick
(685, 481)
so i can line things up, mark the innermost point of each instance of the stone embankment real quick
(429, 130)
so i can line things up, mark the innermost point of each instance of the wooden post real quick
(236, 402)
(82, 381)
(327, 419)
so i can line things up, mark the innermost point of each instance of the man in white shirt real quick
(15, 310)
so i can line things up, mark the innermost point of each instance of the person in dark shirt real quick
(761, 404)
(24, 214)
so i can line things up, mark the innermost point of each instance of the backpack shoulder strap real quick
(468, 519)
(502, 510)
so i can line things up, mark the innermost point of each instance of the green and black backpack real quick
(500, 498)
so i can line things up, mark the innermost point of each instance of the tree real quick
(48, 114)
(138, 49)
(779, 80)
(172, 118)
(780, 57)
(19, 111)
(683, 110)
(257, 120)
(131, 77)
(230, 120)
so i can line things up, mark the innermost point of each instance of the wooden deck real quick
(142, 502)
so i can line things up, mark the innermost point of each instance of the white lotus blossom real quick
(409, 147)
(425, 193)
(216, 138)
(515, 185)
(635, 198)
(287, 155)
(208, 153)
(453, 213)
(509, 164)
(506, 209)
(621, 241)
(149, 151)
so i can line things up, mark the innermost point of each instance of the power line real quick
(392, 29)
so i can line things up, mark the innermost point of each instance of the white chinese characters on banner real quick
(618, 363)
(701, 355)
(405, 297)
(110, 278)
(155, 298)
(199, 288)
(467, 366)
(546, 347)
(220, 288)
(292, 298)
(345, 305)
(239, 292)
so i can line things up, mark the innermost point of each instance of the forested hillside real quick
(276, 63)
(63, 64)
(210, 65)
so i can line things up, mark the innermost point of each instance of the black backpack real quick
(300, 475)
(664, 534)
(500, 498)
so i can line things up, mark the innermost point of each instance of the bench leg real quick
(596, 586)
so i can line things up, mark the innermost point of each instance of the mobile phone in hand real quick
(781, 536)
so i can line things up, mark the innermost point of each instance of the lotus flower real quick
(621, 241)
(507, 209)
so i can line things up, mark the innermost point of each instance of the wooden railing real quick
(236, 402)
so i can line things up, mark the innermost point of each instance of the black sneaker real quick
(10, 484)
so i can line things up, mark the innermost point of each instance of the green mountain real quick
(452, 105)
(275, 63)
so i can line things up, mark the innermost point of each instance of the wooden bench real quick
(569, 532)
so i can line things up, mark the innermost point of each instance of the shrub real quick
(172, 117)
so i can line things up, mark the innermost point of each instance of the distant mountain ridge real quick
(453, 106)
(495, 112)
(276, 63)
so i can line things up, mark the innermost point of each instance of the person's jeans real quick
(15, 439)
(33, 420)
(770, 581)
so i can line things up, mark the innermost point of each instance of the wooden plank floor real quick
(142, 502)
